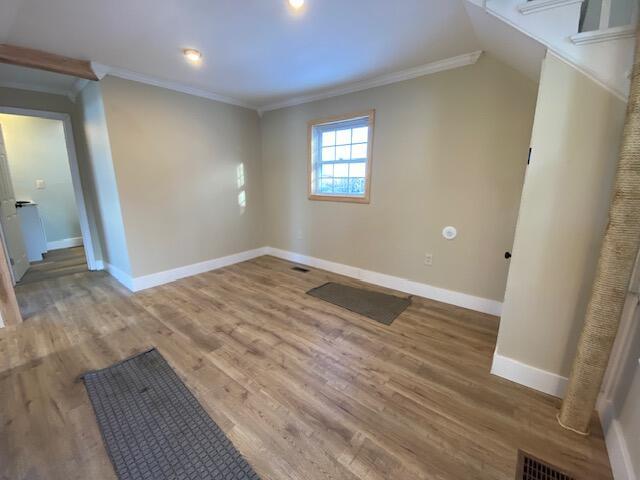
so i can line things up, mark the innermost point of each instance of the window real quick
(340, 158)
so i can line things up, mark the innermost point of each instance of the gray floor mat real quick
(377, 306)
(155, 429)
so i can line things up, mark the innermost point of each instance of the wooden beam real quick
(9, 308)
(28, 57)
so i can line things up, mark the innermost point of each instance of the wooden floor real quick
(304, 389)
(56, 263)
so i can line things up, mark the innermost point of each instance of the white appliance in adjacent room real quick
(35, 239)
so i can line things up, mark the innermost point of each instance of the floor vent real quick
(300, 269)
(531, 468)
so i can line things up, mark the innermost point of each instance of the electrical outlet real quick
(428, 259)
(299, 234)
(40, 185)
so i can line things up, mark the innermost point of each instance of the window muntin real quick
(340, 158)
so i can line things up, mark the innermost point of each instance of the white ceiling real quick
(258, 52)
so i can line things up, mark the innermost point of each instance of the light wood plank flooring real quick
(304, 389)
(56, 263)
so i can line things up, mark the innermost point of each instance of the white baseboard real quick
(99, 264)
(529, 376)
(619, 454)
(124, 278)
(479, 304)
(168, 276)
(64, 243)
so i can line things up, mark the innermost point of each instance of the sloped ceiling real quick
(506, 43)
(259, 51)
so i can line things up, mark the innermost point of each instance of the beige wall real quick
(176, 159)
(102, 185)
(576, 137)
(449, 149)
(37, 149)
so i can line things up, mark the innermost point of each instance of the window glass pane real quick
(340, 157)
(356, 186)
(340, 185)
(343, 152)
(326, 185)
(329, 154)
(359, 151)
(341, 170)
(360, 135)
(326, 171)
(328, 138)
(343, 137)
(357, 169)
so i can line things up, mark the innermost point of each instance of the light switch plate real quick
(40, 185)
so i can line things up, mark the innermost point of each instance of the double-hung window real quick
(340, 158)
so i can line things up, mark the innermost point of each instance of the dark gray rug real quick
(380, 307)
(155, 429)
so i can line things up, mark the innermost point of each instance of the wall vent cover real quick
(531, 468)
(300, 269)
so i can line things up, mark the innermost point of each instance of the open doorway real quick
(43, 220)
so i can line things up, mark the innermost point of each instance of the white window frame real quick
(315, 161)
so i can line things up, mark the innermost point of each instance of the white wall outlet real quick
(40, 185)
(428, 259)
(299, 234)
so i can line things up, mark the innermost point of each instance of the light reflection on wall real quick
(242, 195)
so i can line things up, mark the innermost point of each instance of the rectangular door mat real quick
(377, 306)
(154, 428)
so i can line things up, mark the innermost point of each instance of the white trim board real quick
(451, 297)
(136, 284)
(78, 193)
(617, 448)
(401, 76)
(529, 376)
(168, 276)
(536, 6)
(561, 56)
(123, 277)
(596, 36)
(104, 70)
(64, 243)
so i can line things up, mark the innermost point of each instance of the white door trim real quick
(75, 173)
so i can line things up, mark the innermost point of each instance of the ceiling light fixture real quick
(192, 55)
(296, 3)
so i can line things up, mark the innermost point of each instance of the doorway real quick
(43, 219)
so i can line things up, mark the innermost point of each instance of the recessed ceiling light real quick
(193, 56)
(296, 3)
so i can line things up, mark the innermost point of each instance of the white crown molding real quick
(536, 6)
(529, 376)
(408, 74)
(103, 70)
(597, 36)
